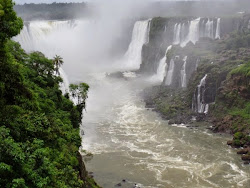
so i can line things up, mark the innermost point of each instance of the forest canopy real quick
(39, 127)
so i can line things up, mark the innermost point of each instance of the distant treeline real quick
(210, 8)
(54, 11)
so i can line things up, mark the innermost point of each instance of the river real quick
(132, 143)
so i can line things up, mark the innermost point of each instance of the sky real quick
(45, 1)
(51, 1)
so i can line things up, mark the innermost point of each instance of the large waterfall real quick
(196, 29)
(189, 31)
(34, 33)
(140, 37)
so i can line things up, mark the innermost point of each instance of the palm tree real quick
(58, 61)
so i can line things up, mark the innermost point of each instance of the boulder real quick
(242, 151)
(245, 157)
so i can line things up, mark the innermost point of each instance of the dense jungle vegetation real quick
(39, 127)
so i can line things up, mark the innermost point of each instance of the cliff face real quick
(182, 30)
(208, 80)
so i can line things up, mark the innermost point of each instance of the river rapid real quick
(132, 143)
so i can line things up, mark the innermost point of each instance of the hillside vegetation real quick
(39, 130)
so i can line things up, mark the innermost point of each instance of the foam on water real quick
(171, 156)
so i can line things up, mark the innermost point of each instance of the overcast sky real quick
(51, 1)
(45, 1)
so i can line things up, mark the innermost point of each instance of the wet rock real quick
(118, 185)
(171, 122)
(242, 151)
(245, 157)
(246, 163)
(116, 75)
(230, 142)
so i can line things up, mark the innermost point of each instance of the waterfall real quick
(193, 34)
(140, 36)
(33, 37)
(198, 103)
(196, 30)
(183, 73)
(64, 86)
(217, 35)
(177, 33)
(170, 72)
(35, 32)
(148, 31)
(161, 70)
(209, 29)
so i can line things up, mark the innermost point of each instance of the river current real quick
(132, 143)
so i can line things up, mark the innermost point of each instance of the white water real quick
(162, 67)
(201, 106)
(33, 34)
(183, 73)
(65, 85)
(177, 33)
(194, 33)
(217, 34)
(169, 76)
(133, 143)
(209, 29)
(132, 58)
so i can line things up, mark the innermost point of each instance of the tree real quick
(58, 61)
(10, 24)
(79, 92)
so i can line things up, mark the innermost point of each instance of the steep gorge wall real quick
(181, 31)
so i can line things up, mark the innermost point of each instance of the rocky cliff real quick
(206, 76)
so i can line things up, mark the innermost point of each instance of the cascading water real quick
(217, 34)
(161, 70)
(140, 37)
(170, 72)
(196, 30)
(35, 32)
(183, 73)
(193, 34)
(34, 36)
(65, 85)
(209, 29)
(177, 33)
(198, 103)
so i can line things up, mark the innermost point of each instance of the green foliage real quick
(58, 62)
(39, 131)
(79, 92)
(237, 40)
(10, 25)
(242, 70)
(238, 135)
